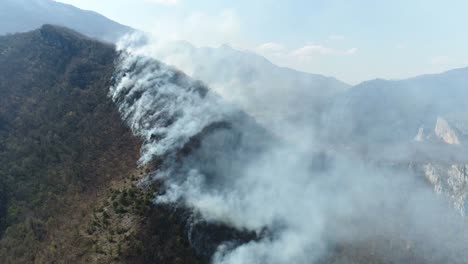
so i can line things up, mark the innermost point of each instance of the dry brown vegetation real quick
(67, 162)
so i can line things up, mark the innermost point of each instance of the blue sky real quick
(351, 40)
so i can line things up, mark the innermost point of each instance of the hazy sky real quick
(353, 40)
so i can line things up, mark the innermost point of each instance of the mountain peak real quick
(54, 32)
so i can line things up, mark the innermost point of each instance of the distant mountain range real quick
(418, 123)
(26, 15)
(382, 111)
(272, 94)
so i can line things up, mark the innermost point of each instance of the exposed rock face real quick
(420, 136)
(421, 120)
(391, 112)
(450, 180)
(445, 132)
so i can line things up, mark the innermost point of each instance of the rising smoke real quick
(305, 201)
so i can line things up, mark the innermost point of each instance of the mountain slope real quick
(68, 162)
(68, 172)
(418, 123)
(58, 151)
(26, 15)
(393, 111)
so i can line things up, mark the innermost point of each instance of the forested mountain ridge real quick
(68, 173)
(67, 161)
(25, 15)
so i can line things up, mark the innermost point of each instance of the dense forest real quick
(67, 161)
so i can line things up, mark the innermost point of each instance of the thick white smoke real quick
(248, 80)
(162, 105)
(232, 171)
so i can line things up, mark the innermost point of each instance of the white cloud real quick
(311, 57)
(438, 60)
(311, 50)
(272, 49)
(271, 46)
(307, 51)
(351, 51)
(201, 29)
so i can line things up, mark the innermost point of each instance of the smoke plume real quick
(306, 201)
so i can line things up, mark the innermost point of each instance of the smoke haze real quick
(302, 197)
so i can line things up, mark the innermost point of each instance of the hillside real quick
(67, 161)
(26, 15)
(71, 187)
